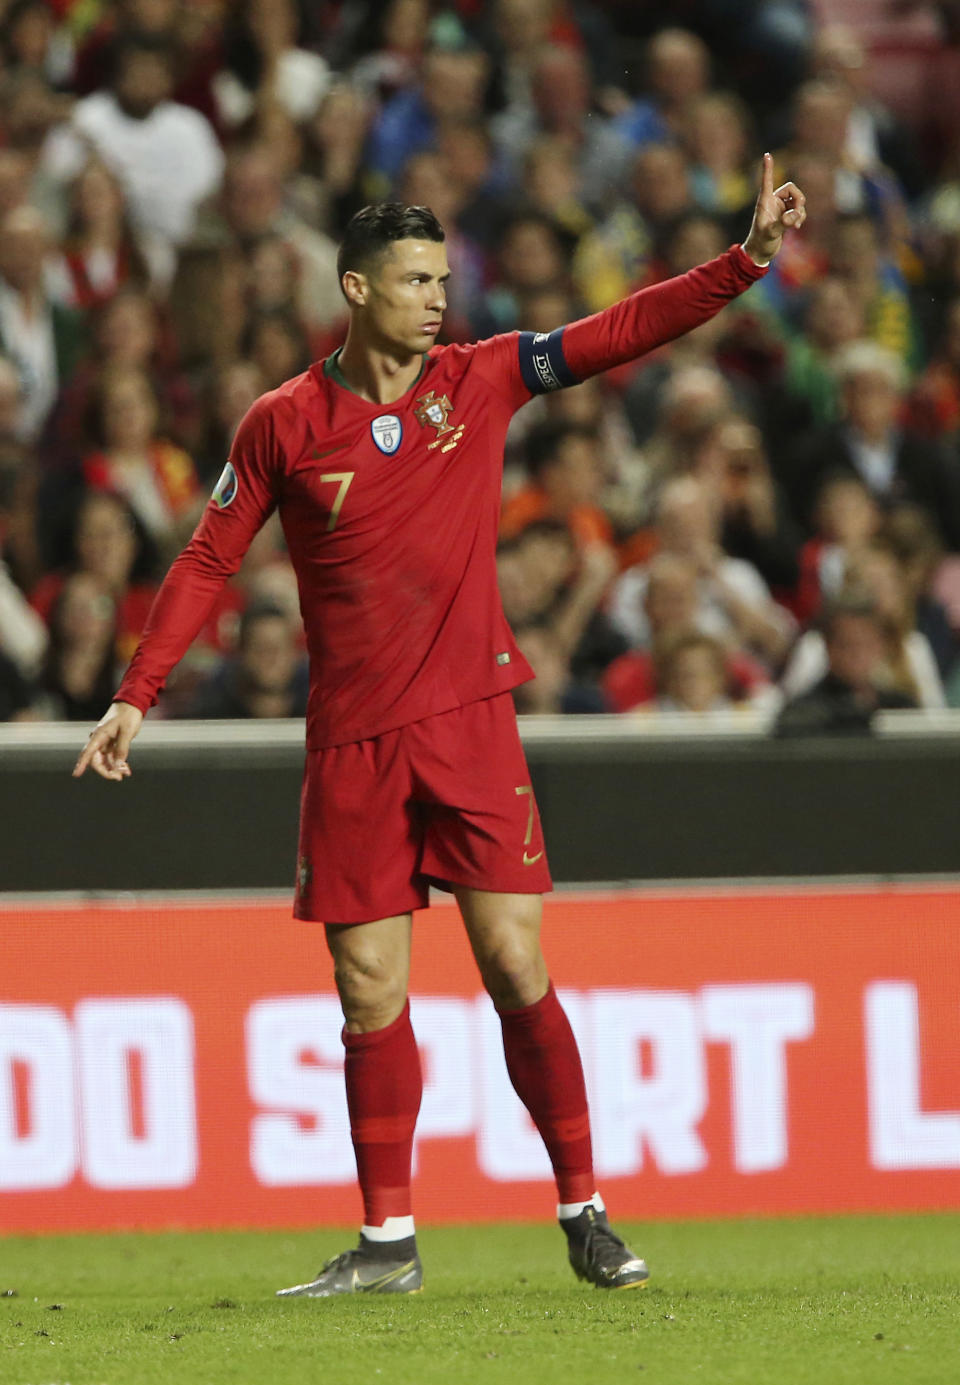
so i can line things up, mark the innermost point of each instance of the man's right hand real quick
(109, 744)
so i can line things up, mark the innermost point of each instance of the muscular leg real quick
(381, 1063)
(538, 1043)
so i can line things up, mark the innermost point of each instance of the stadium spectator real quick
(847, 520)
(267, 677)
(165, 154)
(691, 673)
(552, 691)
(856, 683)
(265, 64)
(546, 581)
(156, 477)
(858, 255)
(874, 137)
(910, 664)
(232, 390)
(689, 397)
(566, 484)
(756, 524)
(130, 331)
(559, 104)
(81, 666)
(734, 602)
(23, 636)
(833, 319)
(913, 539)
(671, 608)
(252, 208)
(451, 89)
(110, 545)
(716, 135)
(42, 338)
(99, 253)
(894, 463)
(933, 408)
(677, 73)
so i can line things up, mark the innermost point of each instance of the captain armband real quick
(542, 362)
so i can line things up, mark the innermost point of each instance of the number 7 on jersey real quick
(343, 478)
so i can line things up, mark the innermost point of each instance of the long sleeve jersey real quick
(390, 513)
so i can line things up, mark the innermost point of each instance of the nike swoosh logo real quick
(366, 1285)
(531, 860)
(319, 456)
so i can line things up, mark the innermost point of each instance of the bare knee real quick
(371, 980)
(513, 970)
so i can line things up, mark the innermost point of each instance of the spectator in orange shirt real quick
(566, 470)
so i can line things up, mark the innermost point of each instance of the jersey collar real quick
(331, 369)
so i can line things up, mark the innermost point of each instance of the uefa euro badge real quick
(435, 412)
(226, 488)
(387, 433)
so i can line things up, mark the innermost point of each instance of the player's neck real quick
(377, 374)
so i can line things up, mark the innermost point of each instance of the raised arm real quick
(243, 498)
(659, 314)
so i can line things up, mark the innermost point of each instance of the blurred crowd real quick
(765, 513)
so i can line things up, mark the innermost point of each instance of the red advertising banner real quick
(179, 1064)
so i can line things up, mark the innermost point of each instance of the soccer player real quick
(384, 461)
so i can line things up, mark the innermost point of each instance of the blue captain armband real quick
(542, 362)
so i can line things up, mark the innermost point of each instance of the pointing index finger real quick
(766, 186)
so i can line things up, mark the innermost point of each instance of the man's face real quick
(671, 600)
(871, 403)
(269, 656)
(403, 297)
(142, 83)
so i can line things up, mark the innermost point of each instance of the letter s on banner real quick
(295, 1069)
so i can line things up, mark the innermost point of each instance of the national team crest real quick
(387, 433)
(226, 488)
(435, 412)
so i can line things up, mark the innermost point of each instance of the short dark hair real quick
(135, 44)
(371, 230)
(254, 613)
(545, 440)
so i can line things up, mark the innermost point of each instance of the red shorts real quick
(444, 801)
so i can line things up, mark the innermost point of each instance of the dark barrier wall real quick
(218, 815)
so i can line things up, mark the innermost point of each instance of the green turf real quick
(758, 1302)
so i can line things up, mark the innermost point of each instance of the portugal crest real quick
(435, 412)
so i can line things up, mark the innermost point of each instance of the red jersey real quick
(390, 512)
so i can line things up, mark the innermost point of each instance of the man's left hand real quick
(776, 210)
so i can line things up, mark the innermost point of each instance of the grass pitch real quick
(831, 1301)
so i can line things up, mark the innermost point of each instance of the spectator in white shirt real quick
(165, 154)
(733, 601)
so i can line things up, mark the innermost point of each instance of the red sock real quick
(544, 1066)
(384, 1086)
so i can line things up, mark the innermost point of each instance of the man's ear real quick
(356, 287)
